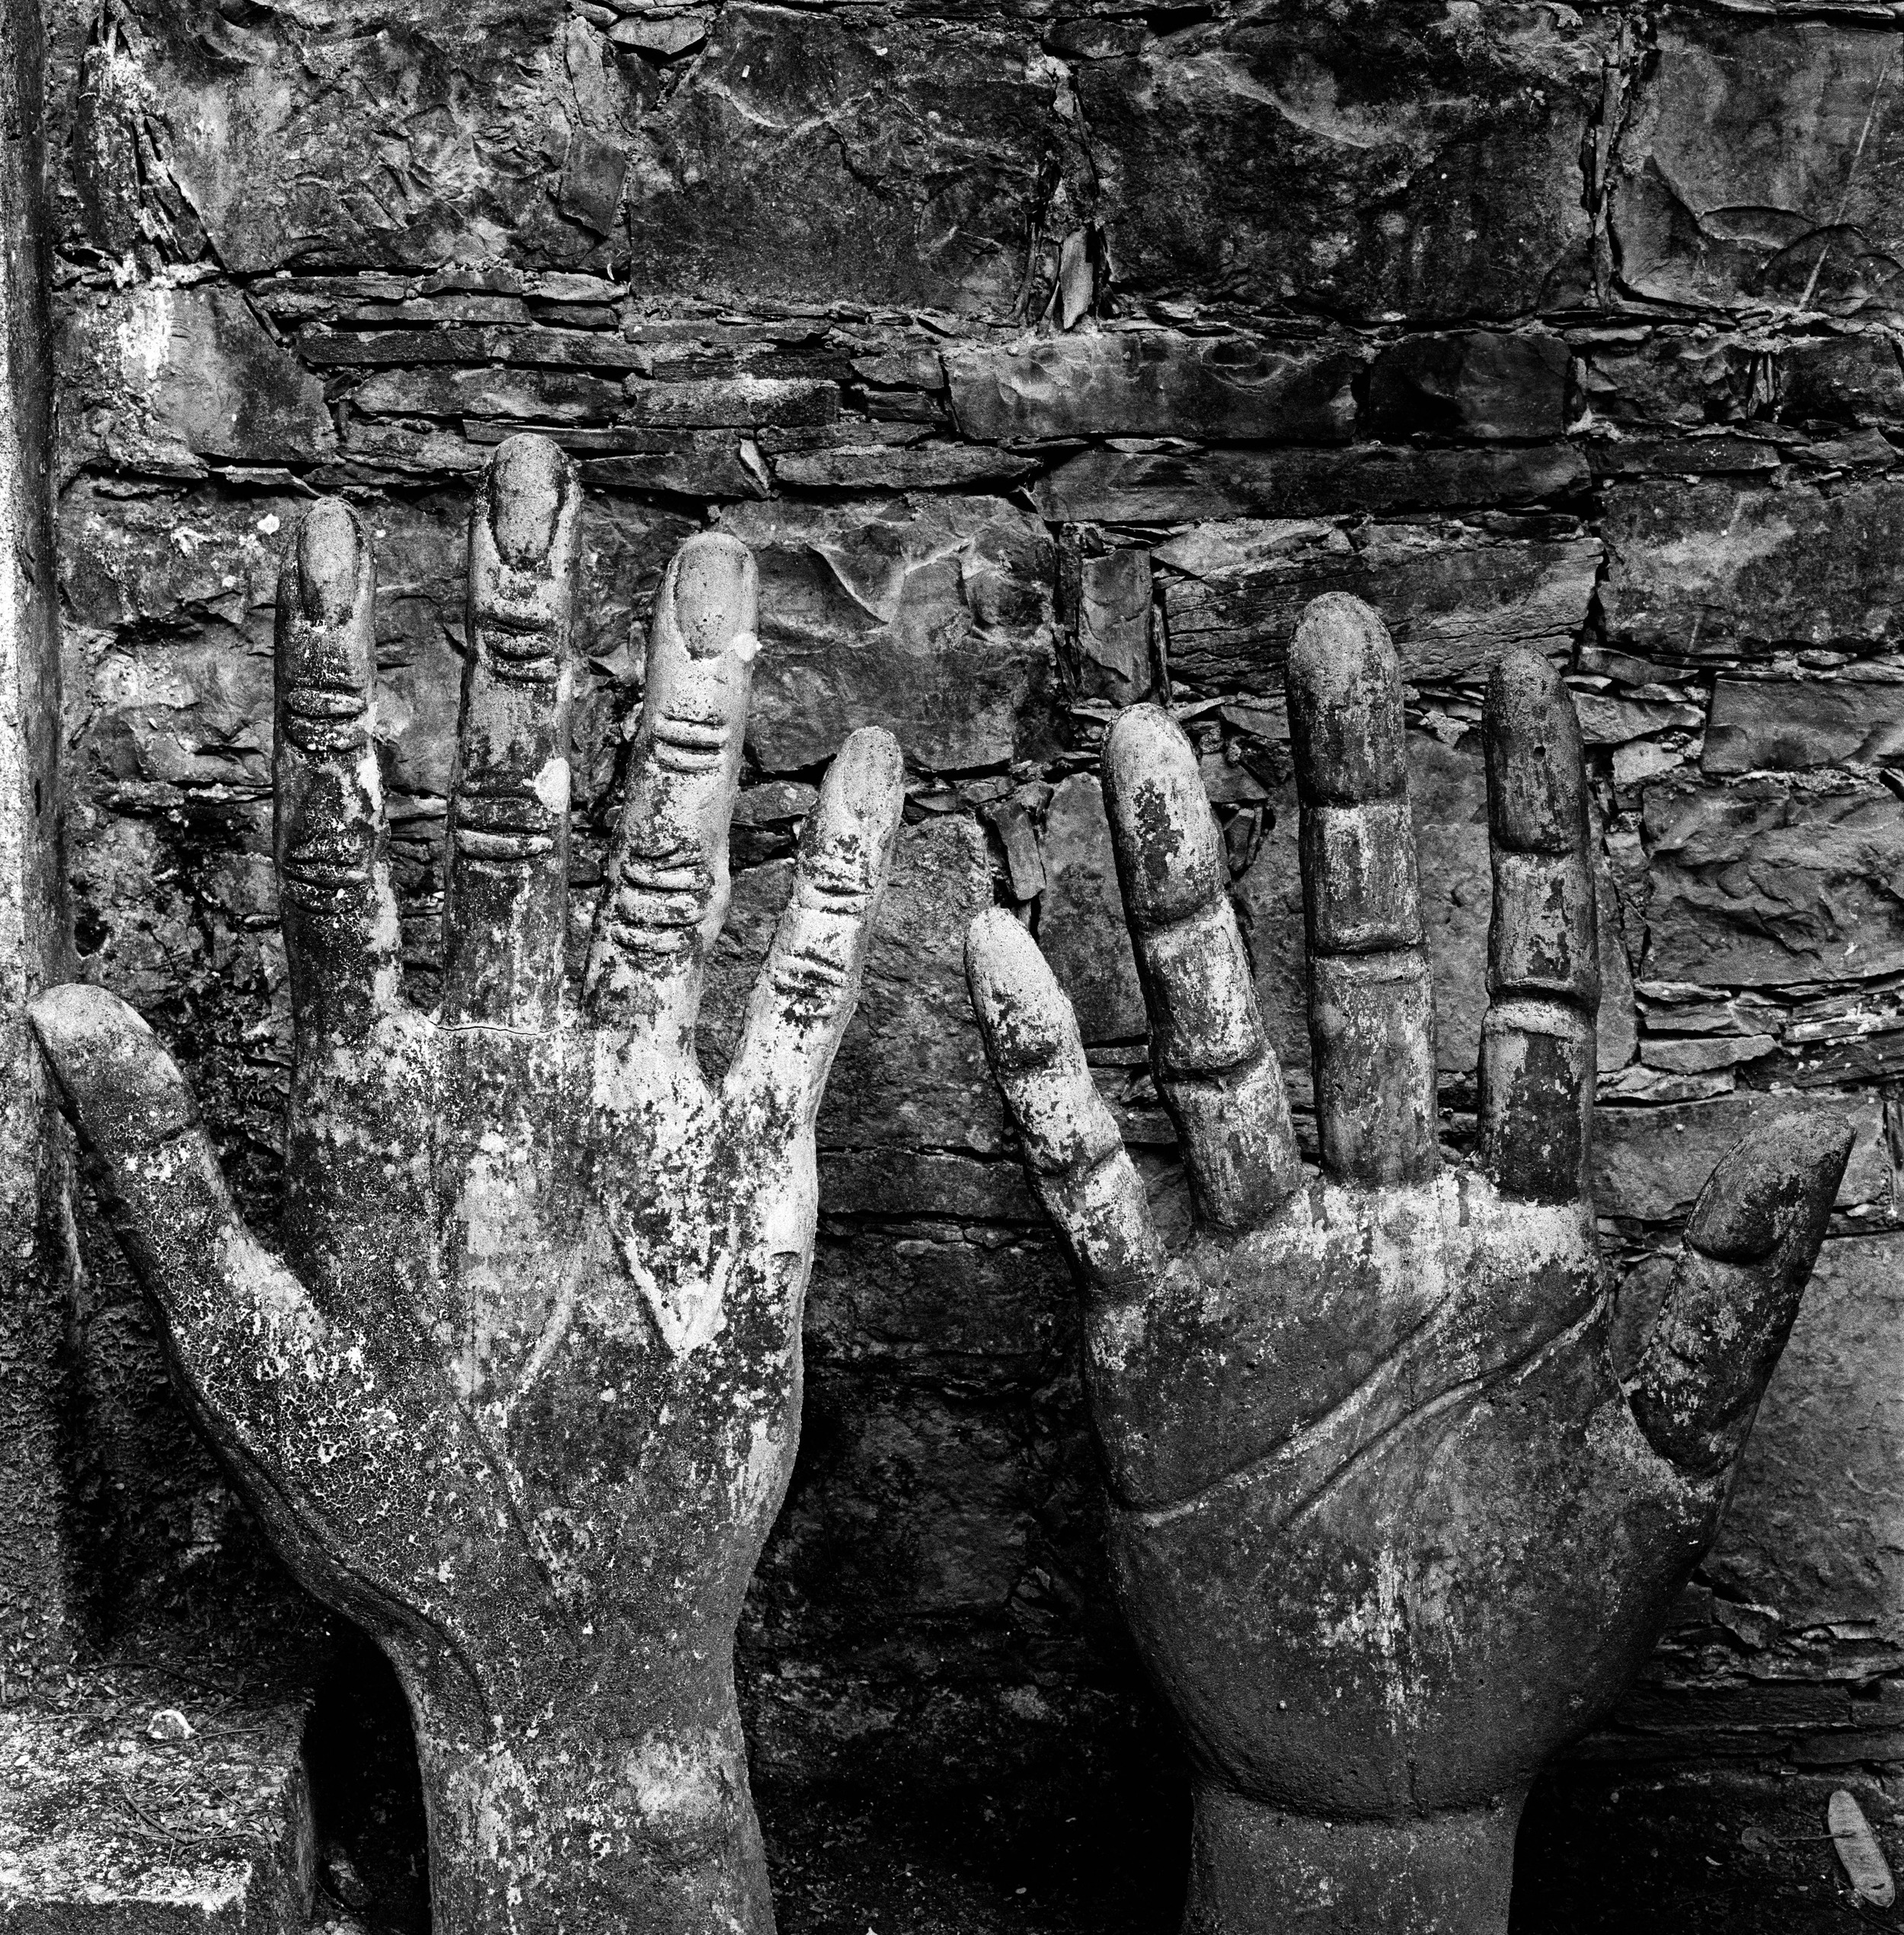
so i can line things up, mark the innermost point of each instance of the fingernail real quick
(330, 545)
(872, 774)
(109, 1063)
(1027, 1020)
(716, 594)
(1168, 855)
(527, 478)
(1147, 747)
(1536, 781)
(1770, 1186)
(1344, 684)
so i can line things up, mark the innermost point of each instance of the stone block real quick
(162, 379)
(1154, 383)
(1790, 724)
(522, 396)
(1454, 599)
(182, 712)
(701, 463)
(107, 1830)
(433, 453)
(1815, 1528)
(1753, 167)
(1849, 379)
(1173, 484)
(931, 616)
(1708, 454)
(1762, 882)
(730, 403)
(454, 134)
(1113, 626)
(1606, 720)
(1685, 377)
(1650, 1163)
(172, 558)
(885, 467)
(1470, 383)
(1723, 569)
(399, 348)
(1386, 165)
(815, 156)
(1080, 916)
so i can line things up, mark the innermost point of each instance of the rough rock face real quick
(1048, 360)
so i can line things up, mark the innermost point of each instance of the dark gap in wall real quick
(373, 1866)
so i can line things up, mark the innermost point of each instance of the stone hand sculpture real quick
(1388, 1522)
(523, 1393)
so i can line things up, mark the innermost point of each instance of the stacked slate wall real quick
(1051, 354)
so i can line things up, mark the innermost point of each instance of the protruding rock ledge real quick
(117, 1820)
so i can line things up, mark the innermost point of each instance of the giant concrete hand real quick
(1387, 1522)
(523, 1396)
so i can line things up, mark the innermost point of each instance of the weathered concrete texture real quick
(1374, 1634)
(1409, 164)
(1713, 570)
(578, 1738)
(134, 1799)
(1758, 166)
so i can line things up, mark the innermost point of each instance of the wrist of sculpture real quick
(1256, 1870)
(562, 1825)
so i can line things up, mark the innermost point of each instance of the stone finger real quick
(239, 1321)
(1749, 1248)
(1080, 1167)
(804, 997)
(1214, 1067)
(668, 884)
(1537, 1053)
(338, 913)
(505, 909)
(1371, 998)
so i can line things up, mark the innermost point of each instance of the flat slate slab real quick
(116, 1821)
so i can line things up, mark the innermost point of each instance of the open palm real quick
(1388, 1524)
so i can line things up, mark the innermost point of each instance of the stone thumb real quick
(1749, 1248)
